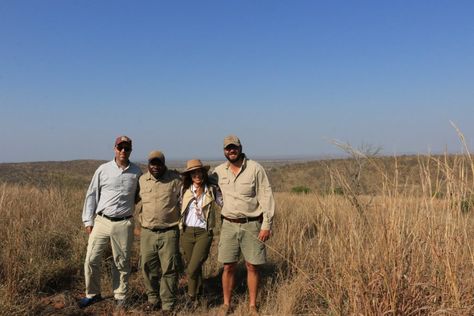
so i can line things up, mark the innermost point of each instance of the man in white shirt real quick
(108, 218)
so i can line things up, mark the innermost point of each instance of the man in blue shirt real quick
(108, 218)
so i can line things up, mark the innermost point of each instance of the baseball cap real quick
(231, 140)
(123, 139)
(156, 154)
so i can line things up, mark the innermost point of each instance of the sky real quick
(287, 77)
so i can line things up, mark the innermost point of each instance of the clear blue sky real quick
(285, 76)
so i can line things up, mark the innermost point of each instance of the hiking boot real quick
(168, 312)
(152, 306)
(191, 302)
(224, 310)
(253, 311)
(86, 301)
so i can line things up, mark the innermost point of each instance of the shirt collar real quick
(118, 167)
(193, 189)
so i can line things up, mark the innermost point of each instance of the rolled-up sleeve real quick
(265, 198)
(91, 201)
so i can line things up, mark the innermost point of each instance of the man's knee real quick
(229, 267)
(252, 267)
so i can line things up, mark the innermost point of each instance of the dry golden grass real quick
(403, 249)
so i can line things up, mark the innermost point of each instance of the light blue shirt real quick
(112, 191)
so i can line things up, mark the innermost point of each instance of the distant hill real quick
(368, 176)
(76, 173)
(318, 176)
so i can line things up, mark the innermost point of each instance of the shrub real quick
(300, 189)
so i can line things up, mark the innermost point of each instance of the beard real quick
(238, 157)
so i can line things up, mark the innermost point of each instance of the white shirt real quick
(112, 191)
(192, 218)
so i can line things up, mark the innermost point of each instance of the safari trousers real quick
(160, 256)
(196, 243)
(120, 236)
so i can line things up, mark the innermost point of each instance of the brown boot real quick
(224, 310)
(253, 311)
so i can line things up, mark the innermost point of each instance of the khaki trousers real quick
(159, 250)
(120, 236)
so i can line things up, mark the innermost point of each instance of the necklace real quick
(196, 202)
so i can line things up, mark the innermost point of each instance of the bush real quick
(300, 189)
(466, 206)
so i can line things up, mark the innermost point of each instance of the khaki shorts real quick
(238, 238)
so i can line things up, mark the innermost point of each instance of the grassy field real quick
(371, 236)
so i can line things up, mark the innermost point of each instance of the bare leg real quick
(252, 282)
(228, 281)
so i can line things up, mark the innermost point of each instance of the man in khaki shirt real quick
(159, 237)
(247, 219)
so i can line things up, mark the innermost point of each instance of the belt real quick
(161, 230)
(243, 220)
(115, 219)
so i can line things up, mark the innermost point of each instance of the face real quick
(232, 153)
(156, 168)
(197, 176)
(122, 152)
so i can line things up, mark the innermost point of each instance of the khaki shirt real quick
(248, 194)
(159, 200)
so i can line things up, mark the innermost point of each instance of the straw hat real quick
(194, 164)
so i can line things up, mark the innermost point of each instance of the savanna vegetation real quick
(365, 235)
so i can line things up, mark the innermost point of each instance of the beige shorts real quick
(238, 238)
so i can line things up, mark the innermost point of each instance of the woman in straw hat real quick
(198, 219)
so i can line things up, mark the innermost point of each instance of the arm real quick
(266, 202)
(218, 196)
(137, 193)
(138, 211)
(213, 178)
(91, 201)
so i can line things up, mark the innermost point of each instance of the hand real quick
(89, 229)
(264, 235)
(136, 231)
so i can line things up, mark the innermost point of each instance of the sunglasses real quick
(196, 173)
(127, 149)
(231, 147)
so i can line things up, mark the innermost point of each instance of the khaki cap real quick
(156, 154)
(231, 140)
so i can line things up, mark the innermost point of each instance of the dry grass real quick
(403, 249)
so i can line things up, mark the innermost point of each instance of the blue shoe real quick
(86, 301)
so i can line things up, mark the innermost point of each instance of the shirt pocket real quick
(128, 182)
(146, 194)
(246, 188)
(223, 182)
(168, 195)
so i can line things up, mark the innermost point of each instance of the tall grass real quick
(401, 251)
(42, 242)
(404, 249)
